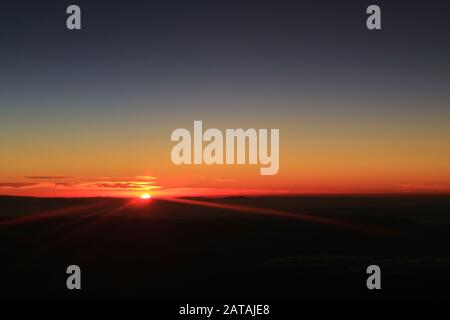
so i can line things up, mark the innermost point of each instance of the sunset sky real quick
(90, 112)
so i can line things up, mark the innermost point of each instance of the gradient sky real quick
(90, 112)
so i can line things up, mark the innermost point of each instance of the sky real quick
(90, 112)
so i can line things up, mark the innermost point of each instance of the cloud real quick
(145, 178)
(64, 184)
(110, 185)
(427, 187)
(16, 184)
(91, 184)
(47, 177)
(125, 185)
(24, 185)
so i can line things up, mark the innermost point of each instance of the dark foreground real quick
(160, 249)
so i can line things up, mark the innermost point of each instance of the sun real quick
(146, 196)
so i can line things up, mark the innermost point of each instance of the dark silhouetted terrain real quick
(163, 249)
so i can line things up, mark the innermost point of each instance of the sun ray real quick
(286, 214)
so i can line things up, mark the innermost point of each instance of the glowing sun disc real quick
(146, 196)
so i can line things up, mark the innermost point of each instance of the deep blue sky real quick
(152, 54)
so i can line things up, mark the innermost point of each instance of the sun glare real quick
(146, 196)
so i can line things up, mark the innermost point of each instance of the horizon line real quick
(379, 194)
